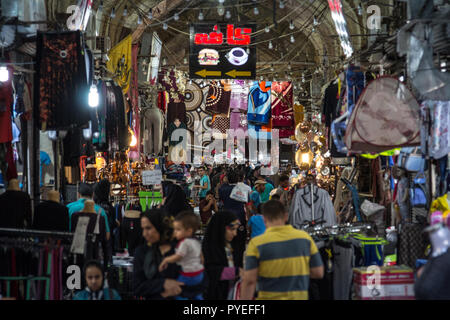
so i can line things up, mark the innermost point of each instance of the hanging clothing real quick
(238, 122)
(301, 208)
(436, 134)
(218, 98)
(120, 63)
(172, 127)
(239, 96)
(176, 110)
(355, 83)
(221, 123)
(282, 100)
(52, 216)
(15, 210)
(259, 103)
(330, 103)
(6, 104)
(153, 131)
(61, 81)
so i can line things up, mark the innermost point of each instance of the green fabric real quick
(266, 194)
(149, 196)
(384, 153)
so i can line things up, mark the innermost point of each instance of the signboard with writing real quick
(222, 51)
(151, 177)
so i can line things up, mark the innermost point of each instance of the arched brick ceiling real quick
(308, 47)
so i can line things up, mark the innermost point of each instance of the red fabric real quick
(282, 105)
(11, 172)
(191, 274)
(6, 101)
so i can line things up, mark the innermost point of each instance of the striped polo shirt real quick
(283, 256)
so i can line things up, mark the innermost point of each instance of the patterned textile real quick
(221, 123)
(355, 83)
(411, 245)
(257, 131)
(239, 96)
(238, 121)
(259, 103)
(120, 63)
(219, 96)
(196, 113)
(282, 101)
(62, 81)
(437, 138)
(174, 83)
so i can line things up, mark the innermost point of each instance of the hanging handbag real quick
(411, 159)
(418, 192)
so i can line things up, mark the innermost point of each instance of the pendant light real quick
(113, 13)
(281, 4)
(176, 17)
(291, 25)
(93, 96)
(4, 73)
(125, 12)
(200, 16)
(292, 38)
(228, 15)
(267, 29)
(150, 15)
(165, 26)
(256, 11)
(100, 7)
(139, 20)
(270, 45)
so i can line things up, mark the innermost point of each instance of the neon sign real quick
(235, 36)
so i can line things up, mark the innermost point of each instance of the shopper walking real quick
(208, 207)
(96, 288)
(219, 246)
(238, 208)
(148, 281)
(283, 191)
(281, 261)
(174, 200)
(85, 192)
(205, 183)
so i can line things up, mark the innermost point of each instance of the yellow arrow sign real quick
(205, 73)
(234, 73)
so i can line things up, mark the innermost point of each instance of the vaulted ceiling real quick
(306, 54)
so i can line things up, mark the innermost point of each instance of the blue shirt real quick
(78, 206)
(86, 295)
(255, 197)
(203, 180)
(257, 224)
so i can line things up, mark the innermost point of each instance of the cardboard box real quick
(391, 283)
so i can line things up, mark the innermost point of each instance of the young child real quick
(256, 224)
(96, 289)
(188, 255)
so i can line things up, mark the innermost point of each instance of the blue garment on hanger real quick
(44, 160)
(259, 103)
(355, 198)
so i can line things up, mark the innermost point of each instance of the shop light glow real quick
(341, 26)
(305, 157)
(4, 74)
(133, 141)
(93, 97)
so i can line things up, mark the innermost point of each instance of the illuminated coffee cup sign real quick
(222, 51)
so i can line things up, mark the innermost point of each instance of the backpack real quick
(418, 192)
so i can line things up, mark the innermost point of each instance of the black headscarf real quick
(162, 222)
(213, 248)
(175, 200)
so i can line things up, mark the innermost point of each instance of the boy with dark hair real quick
(188, 255)
(281, 261)
(282, 192)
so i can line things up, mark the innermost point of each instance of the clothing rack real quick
(36, 233)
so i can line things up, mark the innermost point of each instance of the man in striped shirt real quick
(281, 261)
